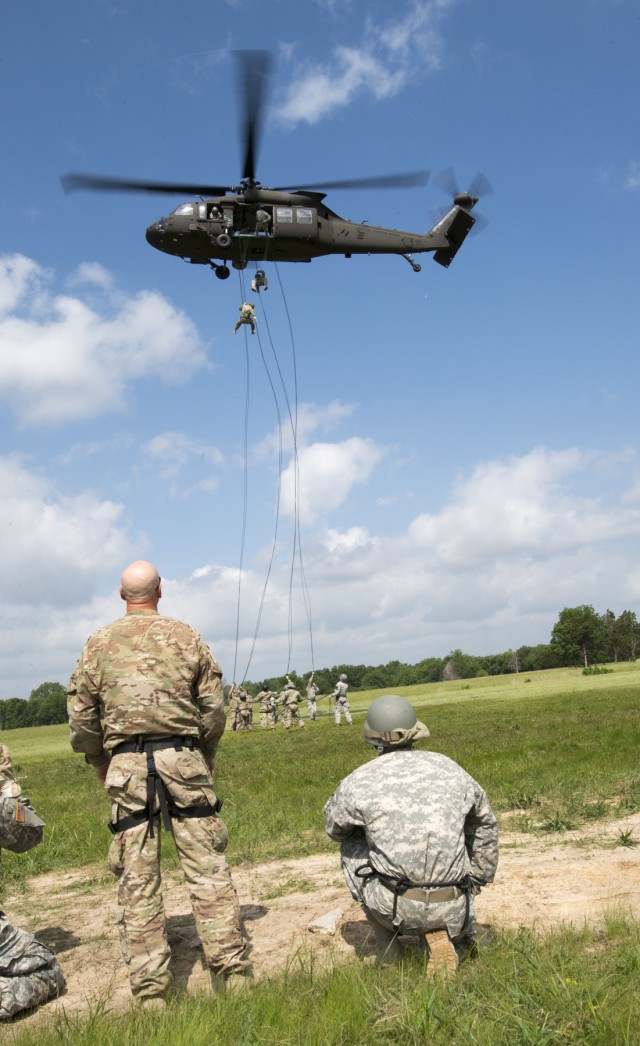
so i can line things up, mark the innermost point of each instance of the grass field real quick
(552, 749)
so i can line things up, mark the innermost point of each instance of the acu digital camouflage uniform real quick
(290, 698)
(155, 678)
(420, 817)
(266, 698)
(29, 972)
(312, 692)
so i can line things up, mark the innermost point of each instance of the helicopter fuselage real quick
(266, 225)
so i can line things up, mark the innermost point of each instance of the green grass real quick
(572, 986)
(542, 750)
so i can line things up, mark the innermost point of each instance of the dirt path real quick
(573, 878)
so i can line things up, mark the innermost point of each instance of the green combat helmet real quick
(20, 827)
(392, 723)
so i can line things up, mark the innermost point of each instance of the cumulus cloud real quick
(322, 476)
(54, 547)
(175, 454)
(63, 359)
(515, 541)
(380, 65)
(633, 176)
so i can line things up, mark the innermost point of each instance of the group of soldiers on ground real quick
(284, 705)
(418, 838)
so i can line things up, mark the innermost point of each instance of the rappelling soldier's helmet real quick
(392, 723)
(343, 678)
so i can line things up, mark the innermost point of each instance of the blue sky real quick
(468, 438)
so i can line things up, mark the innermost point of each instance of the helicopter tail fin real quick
(450, 233)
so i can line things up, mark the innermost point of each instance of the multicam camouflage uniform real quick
(154, 679)
(417, 816)
(266, 698)
(245, 710)
(342, 702)
(8, 784)
(290, 698)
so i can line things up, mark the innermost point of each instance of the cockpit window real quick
(184, 208)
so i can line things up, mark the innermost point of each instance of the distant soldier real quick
(259, 281)
(247, 315)
(233, 698)
(312, 691)
(266, 697)
(341, 701)
(418, 838)
(245, 710)
(290, 698)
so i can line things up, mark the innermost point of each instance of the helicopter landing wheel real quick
(223, 240)
(222, 272)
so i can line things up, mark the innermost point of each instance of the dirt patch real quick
(574, 877)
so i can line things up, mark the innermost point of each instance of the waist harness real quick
(157, 787)
(428, 893)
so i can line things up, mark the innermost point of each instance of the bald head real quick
(140, 585)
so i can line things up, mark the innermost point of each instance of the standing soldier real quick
(234, 705)
(312, 691)
(146, 709)
(267, 707)
(290, 698)
(245, 710)
(342, 702)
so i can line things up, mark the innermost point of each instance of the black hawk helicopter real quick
(249, 222)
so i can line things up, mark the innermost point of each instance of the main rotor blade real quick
(100, 183)
(254, 68)
(383, 181)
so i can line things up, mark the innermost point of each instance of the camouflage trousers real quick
(412, 917)
(291, 717)
(245, 722)
(268, 720)
(342, 709)
(134, 857)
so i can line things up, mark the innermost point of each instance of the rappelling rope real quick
(245, 500)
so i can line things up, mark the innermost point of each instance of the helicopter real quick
(249, 222)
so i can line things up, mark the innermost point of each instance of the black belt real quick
(142, 743)
(436, 893)
(157, 787)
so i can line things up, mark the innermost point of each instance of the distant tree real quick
(579, 634)
(626, 635)
(48, 704)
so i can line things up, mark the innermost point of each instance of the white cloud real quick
(176, 453)
(325, 475)
(515, 542)
(62, 359)
(633, 175)
(381, 64)
(54, 547)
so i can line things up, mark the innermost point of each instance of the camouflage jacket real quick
(144, 674)
(340, 691)
(424, 818)
(290, 697)
(264, 697)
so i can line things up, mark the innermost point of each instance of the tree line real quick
(581, 637)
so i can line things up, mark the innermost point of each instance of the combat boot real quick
(442, 956)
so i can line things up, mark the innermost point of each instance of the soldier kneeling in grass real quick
(418, 838)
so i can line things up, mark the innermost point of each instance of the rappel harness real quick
(428, 893)
(157, 788)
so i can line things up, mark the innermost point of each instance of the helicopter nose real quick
(155, 233)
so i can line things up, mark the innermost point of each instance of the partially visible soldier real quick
(157, 687)
(290, 698)
(267, 707)
(259, 281)
(341, 701)
(234, 699)
(312, 692)
(245, 710)
(418, 836)
(29, 972)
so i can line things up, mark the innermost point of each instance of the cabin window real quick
(202, 211)
(184, 208)
(284, 215)
(304, 216)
